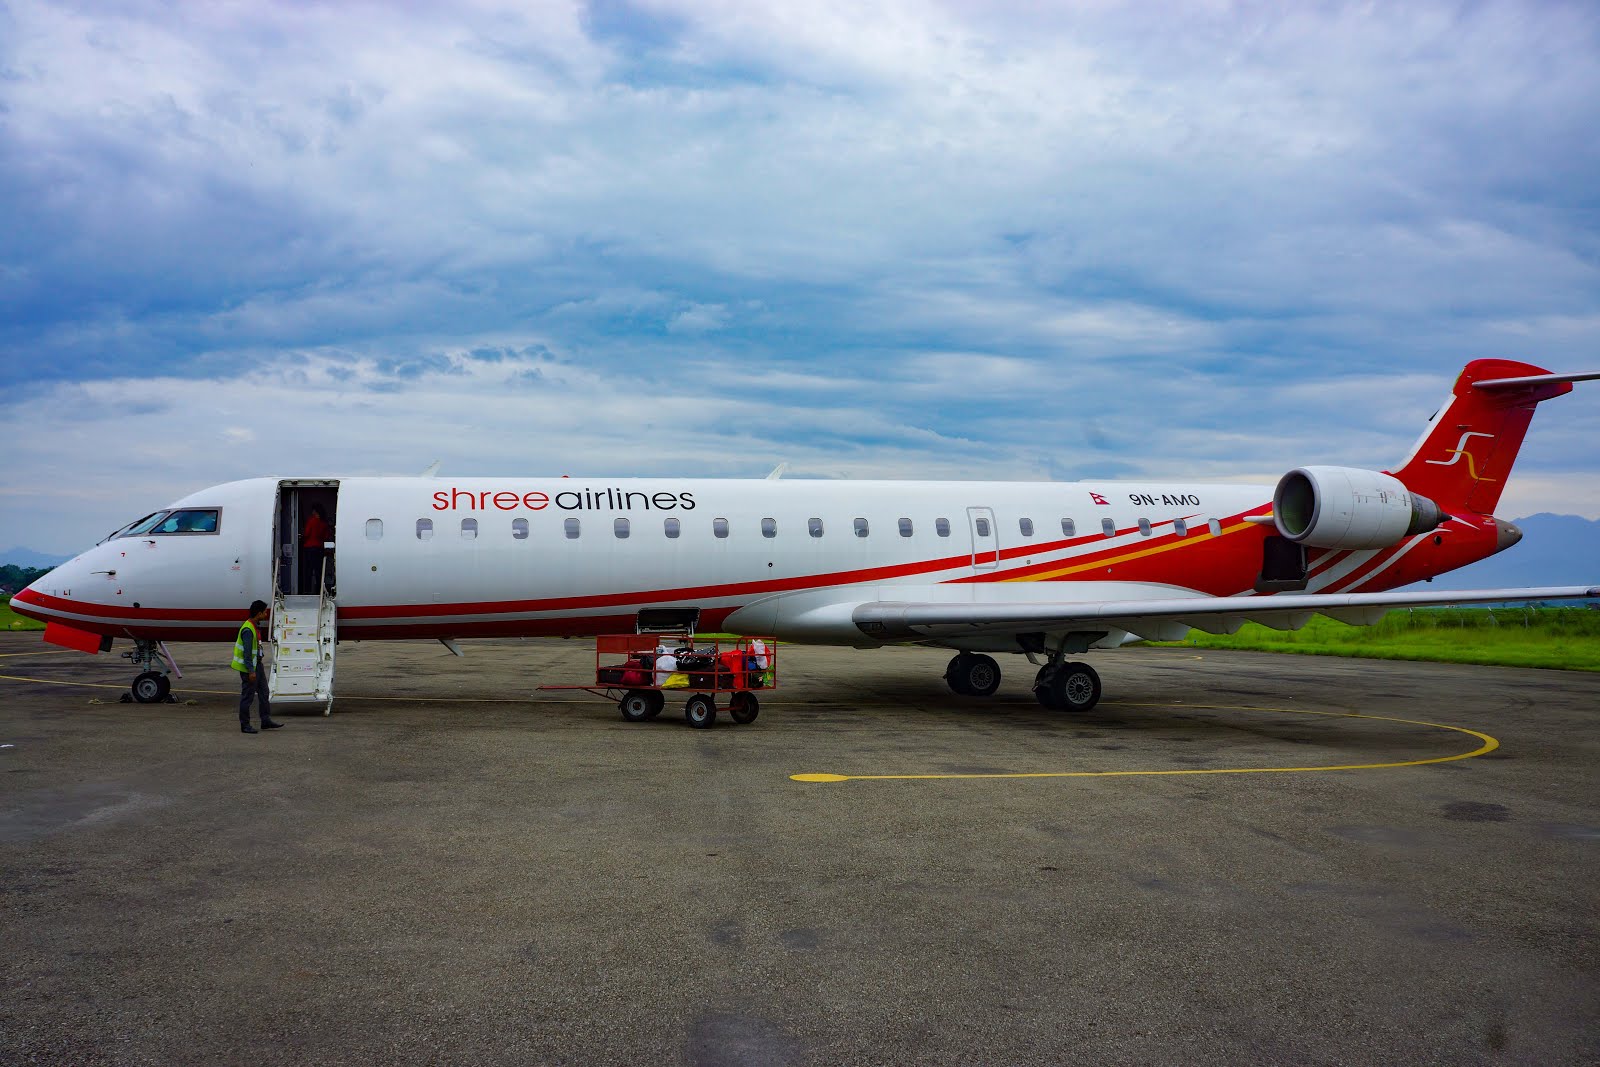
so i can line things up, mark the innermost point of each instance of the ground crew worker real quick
(252, 671)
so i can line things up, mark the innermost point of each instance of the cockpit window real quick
(138, 526)
(188, 521)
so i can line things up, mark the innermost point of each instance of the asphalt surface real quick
(453, 868)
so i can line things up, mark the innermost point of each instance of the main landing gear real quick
(152, 685)
(1059, 684)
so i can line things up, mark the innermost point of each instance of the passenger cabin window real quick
(1026, 526)
(861, 527)
(814, 527)
(188, 521)
(1144, 527)
(469, 529)
(769, 527)
(374, 529)
(719, 527)
(519, 529)
(672, 527)
(424, 529)
(982, 527)
(1180, 527)
(1215, 526)
(1069, 528)
(1108, 527)
(572, 528)
(620, 528)
(941, 527)
(905, 527)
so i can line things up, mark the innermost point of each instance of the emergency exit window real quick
(861, 527)
(719, 527)
(941, 527)
(572, 528)
(983, 527)
(374, 529)
(469, 529)
(620, 528)
(519, 529)
(424, 529)
(814, 527)
(905, 527)
(1108, 527)
(769, 527)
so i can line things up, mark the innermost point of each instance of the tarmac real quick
(456, 868)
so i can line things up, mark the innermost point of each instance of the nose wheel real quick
(150, 686)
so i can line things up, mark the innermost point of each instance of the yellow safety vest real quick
(238, 648)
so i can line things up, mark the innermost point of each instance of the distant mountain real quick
(27, 557)
(1555, 550)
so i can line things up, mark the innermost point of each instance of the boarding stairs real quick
(304, 640)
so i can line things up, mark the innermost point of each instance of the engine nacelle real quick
(1348, 508)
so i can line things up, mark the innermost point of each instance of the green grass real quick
(10, 620)
(1559, 638)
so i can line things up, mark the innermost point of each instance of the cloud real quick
(913, 238)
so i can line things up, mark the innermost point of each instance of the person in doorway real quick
(315, 534)
(247, 660)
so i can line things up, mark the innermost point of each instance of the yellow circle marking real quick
(1489, 745)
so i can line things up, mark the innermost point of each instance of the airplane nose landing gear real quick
(151, 685)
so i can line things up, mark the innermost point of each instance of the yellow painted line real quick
(41, 652)
(1140, 554)
(1489, 745)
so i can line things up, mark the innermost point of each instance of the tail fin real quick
(1463, 458)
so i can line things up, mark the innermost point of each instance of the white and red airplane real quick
(1048, 570)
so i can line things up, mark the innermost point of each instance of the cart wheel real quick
(658, 700)
(636, 704)
(701, 711)
(744, 708)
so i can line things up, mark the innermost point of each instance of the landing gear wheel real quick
(1070, 687)
(701, 712)
(955, 672)
(973, 675)
(636, 705)
(744, 708)
(150, 687)
(166, 690)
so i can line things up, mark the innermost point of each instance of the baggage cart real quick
(718, 675)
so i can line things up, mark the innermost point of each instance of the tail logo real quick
(1461, 450)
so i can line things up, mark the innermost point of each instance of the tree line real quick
(15, 577)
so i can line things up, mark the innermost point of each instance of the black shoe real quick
(271, 724)
(248, 729)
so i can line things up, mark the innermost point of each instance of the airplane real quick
(1045, 570)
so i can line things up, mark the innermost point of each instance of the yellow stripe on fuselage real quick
(1125, 557)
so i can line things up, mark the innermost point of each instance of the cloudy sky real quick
(905, 239)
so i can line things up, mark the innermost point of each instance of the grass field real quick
(1559, 638)
(10, 620)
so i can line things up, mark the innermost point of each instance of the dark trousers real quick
(249, 691)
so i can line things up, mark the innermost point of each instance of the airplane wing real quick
(1169, 619)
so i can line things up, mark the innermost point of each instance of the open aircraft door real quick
(304, 610)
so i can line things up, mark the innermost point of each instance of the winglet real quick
(777, 472)
(433, 468)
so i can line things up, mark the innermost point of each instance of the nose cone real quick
(1506, 534)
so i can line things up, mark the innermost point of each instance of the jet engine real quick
(1347, 508)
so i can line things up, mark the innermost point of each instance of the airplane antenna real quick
(433, 468)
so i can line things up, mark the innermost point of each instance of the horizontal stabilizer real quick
(1535, 379)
